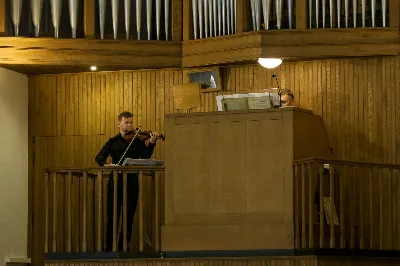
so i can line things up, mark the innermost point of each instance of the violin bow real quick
(137, 132)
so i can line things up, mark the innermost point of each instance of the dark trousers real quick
(132, 192)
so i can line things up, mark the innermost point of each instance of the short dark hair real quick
(124, 114)
(287, 92)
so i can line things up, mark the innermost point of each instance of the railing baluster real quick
(115, 176)
(371, 199)
(297, 206)
(69, 229)
(390, 208)
(54, 177)
(99, 210)
(156, 212)
(140, 211)
(46, 244)
(311, 208)
(84, 214)
(395, 209)
(321, 206)
(353, 211)
(341, 199)
(332, 205)
(362, 218)
(124, 210)
(380, 211)
(303, 208)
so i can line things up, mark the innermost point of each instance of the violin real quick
(142, 135)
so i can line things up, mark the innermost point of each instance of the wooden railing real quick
(76, 209)
(363, 200)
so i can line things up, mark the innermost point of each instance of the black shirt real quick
(116, 146)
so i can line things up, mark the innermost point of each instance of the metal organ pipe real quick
(266, 11)
(363, 12)
(253, 14)
(200, 9)
(219, 8)
(194, 10)
(36, 9)
(331, 12)
(279, 6)
(149, 9)
(373, 8)
(338, 8)
(166, 7)
(205, 2)
(73, 15)
(102, 16)
(127, 8)
(55, 15)
(224, 16)
(290, 11)
(384, 6)
(138, 17)
(210, 17)
(158, 18)
(215, 16)
(16, 7)
(317, 13)
(257, 13)
(354, 13)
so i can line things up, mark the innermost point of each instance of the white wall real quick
(13, 165)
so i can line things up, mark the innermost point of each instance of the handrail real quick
(346, 162)
(105, 168)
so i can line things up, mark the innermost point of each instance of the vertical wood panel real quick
(3, 18)
(177, 19)
(72, 115)
(89, 18)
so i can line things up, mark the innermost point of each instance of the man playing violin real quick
(115, 147)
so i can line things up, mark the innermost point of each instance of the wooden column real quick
(301, 15)
(176, 20)
(243, 17)
(3, 18)
(394, 13)
(187, 22)
(89, 18)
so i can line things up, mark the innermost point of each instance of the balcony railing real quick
(76, 209)
(346, 205)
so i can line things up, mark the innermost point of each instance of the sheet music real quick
(142, 162)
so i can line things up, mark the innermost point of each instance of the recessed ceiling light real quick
(93, 68)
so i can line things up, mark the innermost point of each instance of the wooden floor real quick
(255, 261)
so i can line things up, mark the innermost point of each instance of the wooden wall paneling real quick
(72, 115)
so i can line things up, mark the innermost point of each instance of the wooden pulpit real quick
(229, 177)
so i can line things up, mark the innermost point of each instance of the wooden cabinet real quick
(229, 177)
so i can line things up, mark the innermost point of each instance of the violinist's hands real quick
(153, 137)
